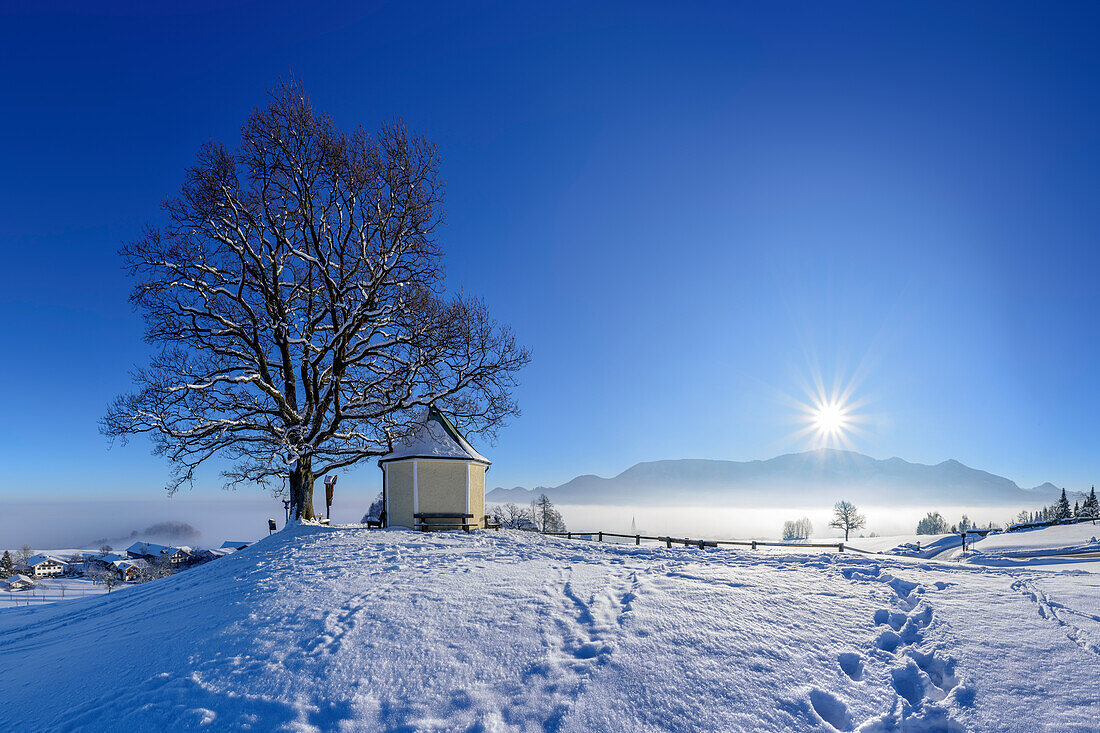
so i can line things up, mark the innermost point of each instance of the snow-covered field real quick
(50, 590)
(345, 628)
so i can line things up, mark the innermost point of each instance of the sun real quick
(830, 419)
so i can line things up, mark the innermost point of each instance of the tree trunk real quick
(301, 490)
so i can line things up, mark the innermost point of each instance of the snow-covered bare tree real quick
(933, 523)
(296, 293)
(847, 518)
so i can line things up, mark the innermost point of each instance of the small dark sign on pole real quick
(286, 508)
(270, 526)
(330, 484)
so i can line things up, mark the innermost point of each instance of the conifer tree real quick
(1092, 507)
(1062, 510)
(6, 565)
(1076, 509)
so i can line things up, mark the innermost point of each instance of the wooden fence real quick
(703, 544)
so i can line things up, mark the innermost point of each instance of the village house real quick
(434, 479)
(103, 562)
(44, 566)
(17, 583)
(214, 554)
(149, 552)
(129, 570)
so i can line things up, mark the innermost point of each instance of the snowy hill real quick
(796, 478)
(350, 629)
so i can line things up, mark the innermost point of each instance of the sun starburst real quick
(828, 418)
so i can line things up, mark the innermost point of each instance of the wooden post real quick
(754, 544)
(668, 542)
(570, 535)
(840, 547)
(638, 539)
(700, 544)
(601, 535)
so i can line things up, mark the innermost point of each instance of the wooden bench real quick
(443, 520)
(374, 524)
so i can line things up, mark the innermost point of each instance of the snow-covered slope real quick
(792, 478)
(350, 629)
(1065, 539)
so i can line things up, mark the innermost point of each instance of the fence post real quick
(754, 544)
(700, 544)
(570, 535)
(638, 539)
(840, 547)
(601, 535)
(668, 542)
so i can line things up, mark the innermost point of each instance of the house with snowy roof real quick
(434, 479)
(18, 582)
(45, 566)
(151, 551)
(129, 569)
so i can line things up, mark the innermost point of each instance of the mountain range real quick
(811, 478)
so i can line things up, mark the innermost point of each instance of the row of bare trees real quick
(540, 516)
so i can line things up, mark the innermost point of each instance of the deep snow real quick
(345, 628)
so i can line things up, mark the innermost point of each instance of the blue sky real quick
(684, 213)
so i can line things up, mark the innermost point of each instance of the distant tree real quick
(375, 510)
(1076, 509)
(160, 567)
(794, 529)
(7, 567)
(547, 518)
(107, 576)
(847, 518)
(933, 523)
(25, 553)
(1062, 509)
(965, 524)
(297, 301)
(514, 516)
(105, 549)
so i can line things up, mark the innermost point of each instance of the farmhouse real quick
(45, 566)
(434, 479)
(129, 569)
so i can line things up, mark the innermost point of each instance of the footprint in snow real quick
(852, 665)
(830, 709)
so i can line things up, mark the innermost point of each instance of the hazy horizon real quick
(83, 524)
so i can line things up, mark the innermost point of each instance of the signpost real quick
(270, 526)
(286, 508)
(330, 484)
